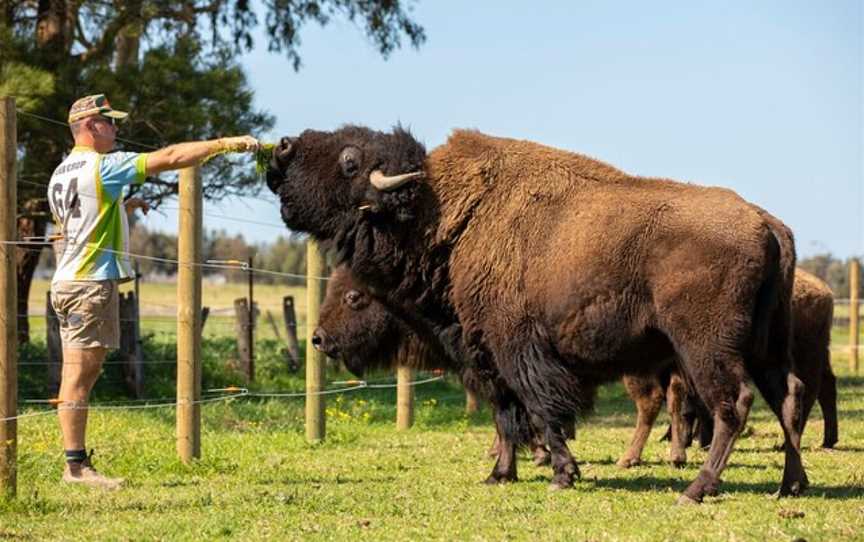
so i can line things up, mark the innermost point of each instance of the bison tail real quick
(773, 331)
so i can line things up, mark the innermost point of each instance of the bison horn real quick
(384, 182)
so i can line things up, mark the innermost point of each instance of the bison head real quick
(356, 328)
(328, 181)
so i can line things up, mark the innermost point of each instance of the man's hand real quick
(245, 143)
(136, 203)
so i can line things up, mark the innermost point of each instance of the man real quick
(86, 199)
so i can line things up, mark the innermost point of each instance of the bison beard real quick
(561, 272)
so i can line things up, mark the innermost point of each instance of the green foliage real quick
(172, 64)
(29, 85)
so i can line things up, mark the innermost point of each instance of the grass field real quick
(259, 480)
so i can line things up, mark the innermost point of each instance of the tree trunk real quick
(51, 25)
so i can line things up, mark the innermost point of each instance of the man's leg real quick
(81, 367)
(89, 327)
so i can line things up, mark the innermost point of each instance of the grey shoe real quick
(84, 473)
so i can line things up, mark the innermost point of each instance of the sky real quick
(764, 98)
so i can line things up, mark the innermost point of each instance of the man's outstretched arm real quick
(188, 154)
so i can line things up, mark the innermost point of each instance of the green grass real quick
(258, 479)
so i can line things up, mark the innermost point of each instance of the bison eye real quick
(349, 161)
(354, 299)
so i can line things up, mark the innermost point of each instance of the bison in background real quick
(813, 310)
(561, 272)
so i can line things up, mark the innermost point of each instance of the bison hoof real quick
(564, 480)
(790, 490)
(794, 489)
(496, 479)
(712, 490)
(627, 462)
(685, 500)
(558, 486)
(678, 462)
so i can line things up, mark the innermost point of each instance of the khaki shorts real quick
(88, 313)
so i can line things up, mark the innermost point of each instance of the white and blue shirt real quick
(86, 198)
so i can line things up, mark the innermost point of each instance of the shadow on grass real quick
(659, 463)
(340, 480)
(653, 483)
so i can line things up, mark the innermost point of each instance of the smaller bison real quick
(357, 329)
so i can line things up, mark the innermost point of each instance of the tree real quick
(172, 63)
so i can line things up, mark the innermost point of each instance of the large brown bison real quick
(561, 272)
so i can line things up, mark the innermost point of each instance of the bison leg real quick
(511, 423)
(551, 394)
(698, 421)
(539, 450)
(828, 404)
(783, 392)
(563, 464)
(505, 465)
(680, 428)
(542, 456)
(647, 393)
(494, 450)
(730, 416)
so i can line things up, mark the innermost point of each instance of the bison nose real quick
(282, 152)
(278, 162)
(319, 342)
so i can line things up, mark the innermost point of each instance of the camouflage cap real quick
(97, 104)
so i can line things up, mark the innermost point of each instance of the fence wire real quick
(229, 394)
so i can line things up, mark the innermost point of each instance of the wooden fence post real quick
(291, 333)
(130, 345)
(55, 346)
(242, 325)
(854, 280)
(138, 352)
(8, 301)
(250, 372)
(471, 404)
(404, 398)
(189, 247)
(315, 420)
